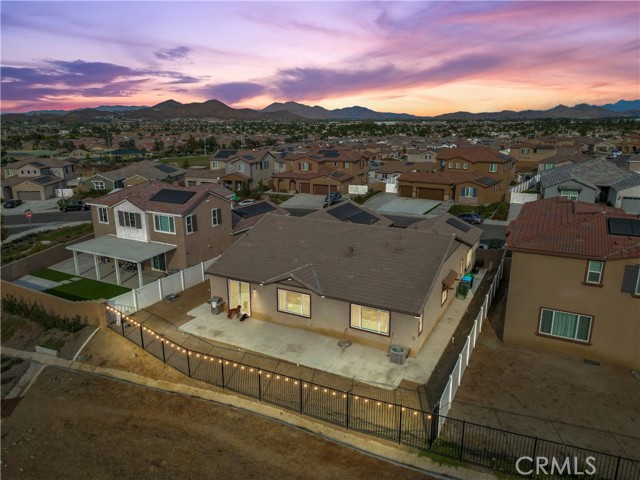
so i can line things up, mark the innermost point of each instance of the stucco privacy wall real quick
(92, 310)
(557, 282)
(40, 260)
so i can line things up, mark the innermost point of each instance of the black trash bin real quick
(217, 305)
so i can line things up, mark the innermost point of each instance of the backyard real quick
(493, 211)
(36, 242)
(76, 288)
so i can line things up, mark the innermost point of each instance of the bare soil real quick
(74, 425)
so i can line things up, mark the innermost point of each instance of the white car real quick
(247, 201)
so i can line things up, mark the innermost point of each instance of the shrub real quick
(36, 313)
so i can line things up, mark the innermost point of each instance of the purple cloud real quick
(234, 92)
(176, 53)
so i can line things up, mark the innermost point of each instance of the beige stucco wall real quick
(557, 282)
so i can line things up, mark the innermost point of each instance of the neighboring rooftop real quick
(447, 224)
(245, 217)
(559, 226)
(388, 268)
(447, 178)
(350, 211)
(600, 173)
(473, 155)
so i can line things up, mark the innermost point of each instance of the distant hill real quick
(291, 111)
(623, 106)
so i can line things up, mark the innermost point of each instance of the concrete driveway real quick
(304, 201)
(393, 204)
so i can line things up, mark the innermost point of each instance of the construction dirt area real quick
(76, 425)
(547, 395)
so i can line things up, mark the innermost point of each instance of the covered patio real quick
(127, 256)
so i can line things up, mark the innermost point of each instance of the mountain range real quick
(292, 111)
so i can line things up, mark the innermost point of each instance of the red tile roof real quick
(139, 195)
(443, 178)
(473, 155)
(558, 226)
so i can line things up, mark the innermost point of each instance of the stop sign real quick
(29, 214)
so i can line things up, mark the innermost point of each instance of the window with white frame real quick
(525, 151)
(573, 326)
(164, 224)
(370, 319)
(457, 165)
(214, 164)
(570, 194)
(231, 167)
(304, 166)
(103, 214)
(191, 222)
(129, 219)
(444, 295)
(470, 192)
(346, 164)
(295, 303)
(594, 272)
(465, 166)
(98, 185)
(265, 165)
(450, 165)
(493, 167)
(216, 217)
(241, 167)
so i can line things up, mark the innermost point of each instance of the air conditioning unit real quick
(397, 354)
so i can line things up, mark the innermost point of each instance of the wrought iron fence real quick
(459, 440)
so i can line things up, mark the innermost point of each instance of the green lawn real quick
(87, 289)
(52, 275)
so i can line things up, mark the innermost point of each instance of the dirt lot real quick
(72, 425)
(551, 396)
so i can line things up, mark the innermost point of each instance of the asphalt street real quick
(17, 223)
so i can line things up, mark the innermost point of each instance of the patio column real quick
(117, 271)
(139, 274)
(75, 262)
(95, 261)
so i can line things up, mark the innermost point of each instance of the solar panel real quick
(166, 168)
(38, 164)
(225, 153)
(254, 209)
(249, 157)
(45, 179)
(352, 213)
(458, 224)
(344, 211)
(166, 195)
(624, 226)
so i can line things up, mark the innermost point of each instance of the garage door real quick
(321, 189)
(406, 191)
(631, 204)
(431, 193)
(29, 195)
(305, 188)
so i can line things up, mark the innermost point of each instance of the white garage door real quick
(631, 204)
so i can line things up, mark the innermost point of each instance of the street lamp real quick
(329, 187)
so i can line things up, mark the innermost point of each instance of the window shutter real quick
(629, 278)
(138, 220)
(219, 216)
(194, 223)
(121, 218)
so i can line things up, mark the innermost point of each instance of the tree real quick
(158, 145)
(4, 232)
(185, 164)
(128, 144)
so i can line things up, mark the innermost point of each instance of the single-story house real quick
(470, 188)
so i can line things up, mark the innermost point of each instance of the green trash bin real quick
(463, 290)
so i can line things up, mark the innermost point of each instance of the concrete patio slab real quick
(392, 204)
(304, 200)
(356, 362)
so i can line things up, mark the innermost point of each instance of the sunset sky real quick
(424, 58)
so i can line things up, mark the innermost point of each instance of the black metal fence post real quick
(347, 410)
(400, 427)
(300, 396)
(222, 370)
(141, 338)
(259, 385)
(164, 358)
(188, 361)
(615, 477)
(121, 322)
(462, 441)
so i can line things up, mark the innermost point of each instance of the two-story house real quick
(159, 226)
(490, 163)
(36, 178)
(529, 155)
(246, 168)
(574, 284)
(323, 170)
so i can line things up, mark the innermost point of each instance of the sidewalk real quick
(42, 227)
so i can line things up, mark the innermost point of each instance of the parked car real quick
(75, 206)
(246, 201)
(332, 198)
(12, 203)
(491, 243)
(472, 218)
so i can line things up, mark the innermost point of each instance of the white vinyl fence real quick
(524, 186)
(358, 189)
(523, 197)
(463, 359)
(64, 192)
(139, 298)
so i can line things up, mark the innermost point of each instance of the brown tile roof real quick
(47, 162)
(388, 268)
(473, 155)
(324, 172)
(140, 195)
(329, 154)
(242, 224)
(558, 226)
(445, 224)
(204, 173)
(397, 166)
(324, 214)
